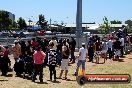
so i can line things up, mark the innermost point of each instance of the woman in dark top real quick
(72, 45)
(90, 50)
(23, 48)
(116, 46)
(59, 52)
(97, 49)
(29, 48)
(65, 60)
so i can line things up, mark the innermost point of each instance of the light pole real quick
(79, 21)
(50, 24)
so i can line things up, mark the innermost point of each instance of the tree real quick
(129, 26)
(14, 24)
(21, 23)
(105, 27)
(42, 22)
(116, 22)
(5, 21)
(129, 22)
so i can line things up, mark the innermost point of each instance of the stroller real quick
(19, 66)
(28, 66)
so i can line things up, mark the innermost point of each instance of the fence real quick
(10, 41)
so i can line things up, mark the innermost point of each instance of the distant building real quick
(92, 28)
(31, 23)
(11, 16)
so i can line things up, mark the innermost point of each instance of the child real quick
(52, 61)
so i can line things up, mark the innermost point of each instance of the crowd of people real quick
(33, 55)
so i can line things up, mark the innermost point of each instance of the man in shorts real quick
(65, 59)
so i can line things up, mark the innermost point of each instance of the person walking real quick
(81, 59)
(38, 57)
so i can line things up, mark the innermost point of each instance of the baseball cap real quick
(83, 43)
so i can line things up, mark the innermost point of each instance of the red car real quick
(41, 33)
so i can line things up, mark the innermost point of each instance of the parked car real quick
(4, 34)
(18, 34)
(41, 33)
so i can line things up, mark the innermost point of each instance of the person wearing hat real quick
(83, 53)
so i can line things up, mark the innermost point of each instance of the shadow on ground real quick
(41, 82)
(2, 80)
(9, 75)
(121, 60)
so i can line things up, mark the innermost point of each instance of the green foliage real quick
(21, 23)
(14, 24)
(5, 21)
(116, 22)
(129, 22)
(129, 30)
(129, 27)
(42, 22)
(104, 28)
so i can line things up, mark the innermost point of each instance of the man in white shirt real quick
(83, 52)
(122, 46)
